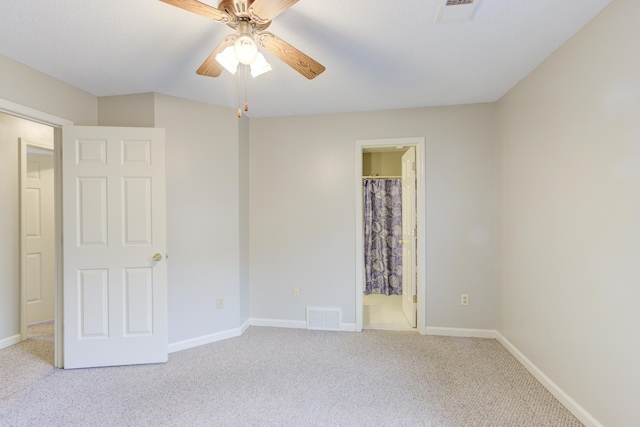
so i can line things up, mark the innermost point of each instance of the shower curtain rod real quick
(381, 177)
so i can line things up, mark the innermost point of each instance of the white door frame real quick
(421, 283)
(57, 123)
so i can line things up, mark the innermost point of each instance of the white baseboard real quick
(15, 339)
(278, 323)
(295, 324)
(245, 326)
(460, 332)
(578, 411)
(231, 333)
(41, 322)
(348, 327)
(206, 339)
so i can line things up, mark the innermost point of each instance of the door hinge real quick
(415, 232)
(415, 298)
(413, 166)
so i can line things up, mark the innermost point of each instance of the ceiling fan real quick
(249, 18)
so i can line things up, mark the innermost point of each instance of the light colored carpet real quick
(286, 377)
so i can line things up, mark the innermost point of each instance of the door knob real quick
(401, 241)
(157, 257)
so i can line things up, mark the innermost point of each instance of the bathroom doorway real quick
(389, 291)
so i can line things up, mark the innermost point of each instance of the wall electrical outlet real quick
(220, 303)
(464, 299)
(296, 291)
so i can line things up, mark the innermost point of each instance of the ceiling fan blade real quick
(262, 11)
(290, 55)
(201, 9)
(210, 67)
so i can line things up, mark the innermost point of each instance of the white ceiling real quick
(378, 54)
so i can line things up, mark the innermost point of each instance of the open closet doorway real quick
(37, 228)
(390, 272)
(31, 292)
(37, 240)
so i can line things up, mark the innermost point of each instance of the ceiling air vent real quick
(456, 10)
(458, 2)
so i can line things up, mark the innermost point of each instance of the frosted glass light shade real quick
(228, 60)
(245, 49)
(259, 66)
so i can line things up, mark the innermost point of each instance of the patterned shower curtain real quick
(382, 231)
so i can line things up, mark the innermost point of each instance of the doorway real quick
(29, 117)
(37, 233)
(37, 228)
(382, 160)
(384, 258)
(27, 285)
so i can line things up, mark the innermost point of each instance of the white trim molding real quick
(32, 114)
(231, 333)
(578, 411)
(9, 341)
(205, 339)
(245, 326)
(279, 323)
(56, 122)
(348, 327)
(296, 324)
(461, 332)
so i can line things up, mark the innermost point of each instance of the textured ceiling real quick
(378, 54)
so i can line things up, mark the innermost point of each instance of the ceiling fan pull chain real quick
(246, 104)
(238, 84)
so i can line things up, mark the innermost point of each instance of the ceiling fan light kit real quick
(227, 58)
(250, 19)
(245, 47)
(260, 66)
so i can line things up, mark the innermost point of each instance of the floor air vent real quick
(325, 319)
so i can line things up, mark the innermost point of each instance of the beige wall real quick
(203, 216)
(302, 211)
(556, 161)
(11, 129)
(205, 208)
(383, 164)
(243, 236)
(137, 110)
(570, 174)
(207, 199)
(30, 88)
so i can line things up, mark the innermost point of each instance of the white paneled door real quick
(409, 263)
(114, 238)
(39, 244)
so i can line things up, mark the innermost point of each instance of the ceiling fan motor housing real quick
(241, 7)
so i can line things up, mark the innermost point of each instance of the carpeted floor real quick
(285, 377)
